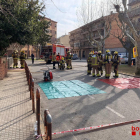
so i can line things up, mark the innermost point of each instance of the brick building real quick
(80, 44)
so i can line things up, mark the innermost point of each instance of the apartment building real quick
(79, 37)
(64, 40)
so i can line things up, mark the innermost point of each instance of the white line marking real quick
(115, 112)
(91, 97)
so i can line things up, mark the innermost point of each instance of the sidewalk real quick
(16, 116)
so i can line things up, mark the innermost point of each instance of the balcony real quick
(134, 13)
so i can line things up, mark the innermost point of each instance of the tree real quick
(18, 22)
(86, 14)
(125, 41)
(135, 37)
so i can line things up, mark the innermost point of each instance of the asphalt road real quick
(116, 105)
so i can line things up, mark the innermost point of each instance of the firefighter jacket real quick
(53, 57)
(108, 59)
(69, 57)
(95, 61)
(15, 56)
(22, 57)
(100, 59)
(62, 62)
(116, 60)
(89, 60)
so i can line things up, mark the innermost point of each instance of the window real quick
(55, 32)
(55, 25)
(50, 31)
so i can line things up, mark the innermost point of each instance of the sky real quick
(64, 13)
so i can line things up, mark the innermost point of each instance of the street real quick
(116, 105)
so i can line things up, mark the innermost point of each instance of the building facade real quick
(79, 38)
(64, 40)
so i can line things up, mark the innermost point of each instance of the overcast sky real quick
(64, 14)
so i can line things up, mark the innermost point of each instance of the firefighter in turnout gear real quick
(108, 63)
(69, 57)
(15, 59)
(89, 62)
(100, 58)
(62, 64)
(116, 61)
(54, 60)
(22, 59)
(95, 64)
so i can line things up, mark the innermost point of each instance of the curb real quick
(129, 74)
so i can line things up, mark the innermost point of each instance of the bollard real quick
(32, 94)
(48, 125)
(38, 110)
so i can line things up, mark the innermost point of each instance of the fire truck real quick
(47, 51)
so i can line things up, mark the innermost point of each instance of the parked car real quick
(75, 56)
(124, 59)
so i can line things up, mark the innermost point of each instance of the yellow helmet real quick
(90, 53)
(115, 52)
(99, 51)
(93, 52)
(107, 51)
(62, 58)
(22, 51)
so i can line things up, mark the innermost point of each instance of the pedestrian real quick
(116, 61)
(108, 64)
(58, 59)
(89, 62)
(32, 57)
(54, 60)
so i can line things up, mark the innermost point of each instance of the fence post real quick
(48, 125)
(32, 94)
(29, 80)
(30, 86)
(38, 110)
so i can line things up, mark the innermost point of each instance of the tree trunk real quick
(36, 54)
(130, 56)
(137, 70)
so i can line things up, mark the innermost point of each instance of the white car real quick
(124, 59)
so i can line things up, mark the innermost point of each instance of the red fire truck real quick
(47, 51)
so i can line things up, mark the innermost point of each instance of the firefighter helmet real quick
(91, 53)
(107, 51)
(115, 52)
(99, 51)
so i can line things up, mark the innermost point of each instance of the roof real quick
(48, 19)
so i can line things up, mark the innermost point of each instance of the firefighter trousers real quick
(69, 64)
(100, 68)
(116, 69)
(108, 69)
(89, 69)
(15, 63)
(95, 68)
(22, 62)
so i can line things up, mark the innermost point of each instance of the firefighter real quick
(71, 55)
(108, 63)
(15, 59)
(54, 60)
(89, 62)
(62, 64)
(67, 59)
(95, 64)
(100, 58)
(22, 59)
(116, 61)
